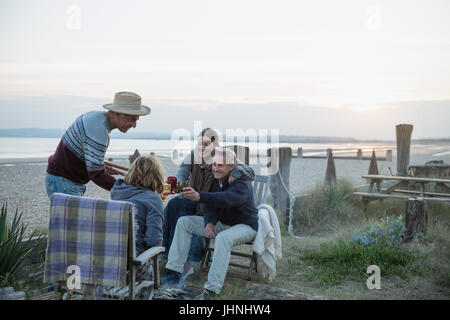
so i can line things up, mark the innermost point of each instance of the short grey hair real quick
(229, 155)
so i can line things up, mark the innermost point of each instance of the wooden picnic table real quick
(403, 182)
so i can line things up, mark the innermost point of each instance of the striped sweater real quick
(80, 154)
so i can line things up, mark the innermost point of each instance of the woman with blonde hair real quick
(143, 182)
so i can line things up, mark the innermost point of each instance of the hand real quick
(190, 193)
(231, 179)
(210, 231)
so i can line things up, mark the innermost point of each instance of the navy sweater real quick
(232, 204)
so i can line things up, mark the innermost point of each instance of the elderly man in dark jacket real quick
(230, 218)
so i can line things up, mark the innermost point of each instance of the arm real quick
(94, 154)
(241, 170)
(184, 170)
(236, 195)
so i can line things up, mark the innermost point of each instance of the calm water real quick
(11, 148)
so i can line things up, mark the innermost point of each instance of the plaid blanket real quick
(91, 234)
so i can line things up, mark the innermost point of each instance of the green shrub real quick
(387, 231)
(13, 248)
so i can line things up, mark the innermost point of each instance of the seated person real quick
(143, 182)
(196, 168)
(230, 217)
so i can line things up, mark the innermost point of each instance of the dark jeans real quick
(176, 208)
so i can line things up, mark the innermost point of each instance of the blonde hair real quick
(146, 172)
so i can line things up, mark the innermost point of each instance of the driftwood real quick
(265, 292)
(403, 132)
(416, 218)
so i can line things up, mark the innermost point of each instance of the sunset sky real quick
(319, 68)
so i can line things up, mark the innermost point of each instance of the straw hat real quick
(128, 103)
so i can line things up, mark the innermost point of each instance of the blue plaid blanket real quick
(91, 234)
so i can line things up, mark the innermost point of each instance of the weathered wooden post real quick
(300, 153)
(373, 169)
(403, 132)
(134, 156)
(242, 153)
(174, 154)
(280, 158)
(416, 218)
(330, 175)
(389, 155)
(359, 154)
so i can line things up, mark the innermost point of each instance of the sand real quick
(22, 181)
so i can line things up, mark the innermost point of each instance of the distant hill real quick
(58, 133)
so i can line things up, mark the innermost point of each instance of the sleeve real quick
(94, 154)
(236, 195)
(241, 170)
(184, 170)
(210, 216)
(154, 222)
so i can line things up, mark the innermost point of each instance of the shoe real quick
(193, 293)
(172, 279)
(208, 295)
(188, 270)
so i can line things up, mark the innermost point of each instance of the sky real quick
(351, 68)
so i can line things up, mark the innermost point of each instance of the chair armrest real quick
(148, 254)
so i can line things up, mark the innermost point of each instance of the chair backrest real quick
(260, 189)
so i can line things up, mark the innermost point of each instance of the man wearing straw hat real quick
(79, 156)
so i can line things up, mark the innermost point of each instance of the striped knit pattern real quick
(88, 138)
(91, 234)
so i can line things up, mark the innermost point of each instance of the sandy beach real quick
(22, 181)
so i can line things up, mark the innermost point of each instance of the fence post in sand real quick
(373, 169)
(330, 175)
(300, 153)
(242, 153)
(416, 218)
(359, 154)
(389, 155)
(280, 198)
(134, 156)
(403, 132)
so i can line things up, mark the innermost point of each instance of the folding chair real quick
(133, 286)
(260, 190)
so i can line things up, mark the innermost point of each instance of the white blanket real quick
(267, 243)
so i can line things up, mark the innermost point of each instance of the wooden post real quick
(300, 153)
(242, 153)
(282, 157)
(389, 155)
(403, 132)
(359, 154)
(134, 156)
(373, 169)
(175, 154)
(416, 218)
(330, 175)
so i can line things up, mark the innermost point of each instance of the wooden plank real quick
(400, 178)
(392, 196)
(418, 193)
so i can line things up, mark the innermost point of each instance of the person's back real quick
(149, 213)
(141, 186)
